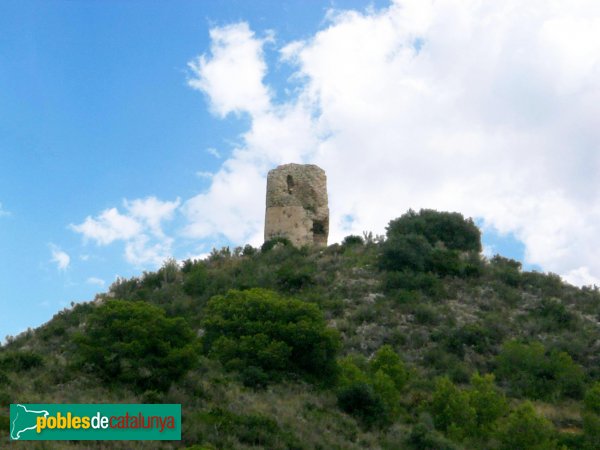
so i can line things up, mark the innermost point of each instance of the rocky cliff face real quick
(297, 204)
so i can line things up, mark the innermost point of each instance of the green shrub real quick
(196, 280)
(408, 252)
(275, 242)
(451, 410)
(409, 280)
(554, 315)
(134, 343)
(255, 430)
(248, 250)
(451, 229)
(353, 240)
(387, 361)
(360, 400)
(426, 315)
(295, 274)
(467, 413)
(281, 336)
(533, 372)
(424, 437)
(5, 424)
(20, 360)
(5, 398)
(373, 386)
(591, 431)
(591, 417)
(506, 270)
(591, 400)
(472, 336)
(525, 429)
(445, 262)
(488, 401)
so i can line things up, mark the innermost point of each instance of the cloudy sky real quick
(131, 132)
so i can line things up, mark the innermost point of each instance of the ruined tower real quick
(297, 204)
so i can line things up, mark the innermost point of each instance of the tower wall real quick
(297, 204)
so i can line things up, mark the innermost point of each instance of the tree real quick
(524, 429)
(533, 372)
(361, 401)
(280, 336)
(388, 362)
(410, 251)
(591, 417)
(432, 241)
(196, 280)
(450, 228)
(136, 344)
(451, 410)
(373, 387)
(487, 400)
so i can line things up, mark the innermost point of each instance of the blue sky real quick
(134, 131)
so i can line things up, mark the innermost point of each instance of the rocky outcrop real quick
(297, 204)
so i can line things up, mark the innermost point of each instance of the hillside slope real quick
(410, 341)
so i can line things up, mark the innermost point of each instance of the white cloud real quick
(59, 257)
(151, 212)
(488, 108)
(96, 281)
(139, 227)
(233, 75)
(108, 227)
(3, 212)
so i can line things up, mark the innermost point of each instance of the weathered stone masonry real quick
(297, 204)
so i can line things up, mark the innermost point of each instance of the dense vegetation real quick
(409, 341)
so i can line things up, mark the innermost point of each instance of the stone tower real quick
(297, 204)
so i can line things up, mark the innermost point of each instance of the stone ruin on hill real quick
(297, 204)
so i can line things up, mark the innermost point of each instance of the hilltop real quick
(411, 340)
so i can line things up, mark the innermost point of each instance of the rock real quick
(297, 204)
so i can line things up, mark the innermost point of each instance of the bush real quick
(353, 240)
(387, 361)
(506, 270)
(360, 400)
(20, 360)
(408, 280)
(591, 400)
(424, 437)
(196, 280)
(432, 242)
(275, 242)
(591, 417)
(295, 274)
(531, 371)
(4, 424)
(385, 377)
(471, 335)
(405, 252)
(591, 431)
(254, 430)
(470, 413)
(451, 229)
(488, 401)
(134, 343)
(524, 429)
(554, 315)
(451, 410)
(426, 315)
(281, 336)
